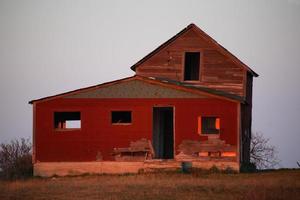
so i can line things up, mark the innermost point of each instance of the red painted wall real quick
(98, 134)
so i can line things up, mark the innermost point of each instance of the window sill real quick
(122, 124)
(67, 129)
(210, 135)
(191, 81)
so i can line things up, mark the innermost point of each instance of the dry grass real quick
(284, 184)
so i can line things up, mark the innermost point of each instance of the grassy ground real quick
(282, 184)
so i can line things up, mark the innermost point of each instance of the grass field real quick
(282, 184)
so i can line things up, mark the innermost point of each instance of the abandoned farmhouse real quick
(190, 100)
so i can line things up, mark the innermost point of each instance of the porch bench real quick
(137, 151)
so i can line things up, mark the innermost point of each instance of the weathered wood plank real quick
(215, 66)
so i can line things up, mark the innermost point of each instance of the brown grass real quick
(283, 184)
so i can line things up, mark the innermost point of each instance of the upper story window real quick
(121, 117)
(67, 120)
(191, 66)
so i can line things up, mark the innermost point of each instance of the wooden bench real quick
(213, 148)
(137, 151)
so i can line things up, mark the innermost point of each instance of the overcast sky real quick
(50, 47)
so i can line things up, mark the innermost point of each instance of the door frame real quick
(165, 106)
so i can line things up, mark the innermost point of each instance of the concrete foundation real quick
(48, 169)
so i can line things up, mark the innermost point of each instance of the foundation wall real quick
(48, 169)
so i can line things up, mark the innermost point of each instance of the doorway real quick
(163, 132)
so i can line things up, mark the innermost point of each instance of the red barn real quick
(189, 101)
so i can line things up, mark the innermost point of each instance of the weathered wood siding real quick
(217, 70)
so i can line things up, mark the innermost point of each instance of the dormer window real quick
(191, 66)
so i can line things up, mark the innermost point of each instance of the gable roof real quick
(193, 26)
(200, 90)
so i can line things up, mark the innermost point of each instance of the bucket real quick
(186, 167)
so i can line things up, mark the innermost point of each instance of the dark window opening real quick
(191, 66)
(67, 120)
(208, 125)
(121, 117)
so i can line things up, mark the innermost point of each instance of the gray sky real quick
(49, 47)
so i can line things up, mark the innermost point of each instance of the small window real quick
(191, 66)
(67, 120)
(121, 117)
(208, 125)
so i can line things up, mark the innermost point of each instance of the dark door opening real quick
(163, 136)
